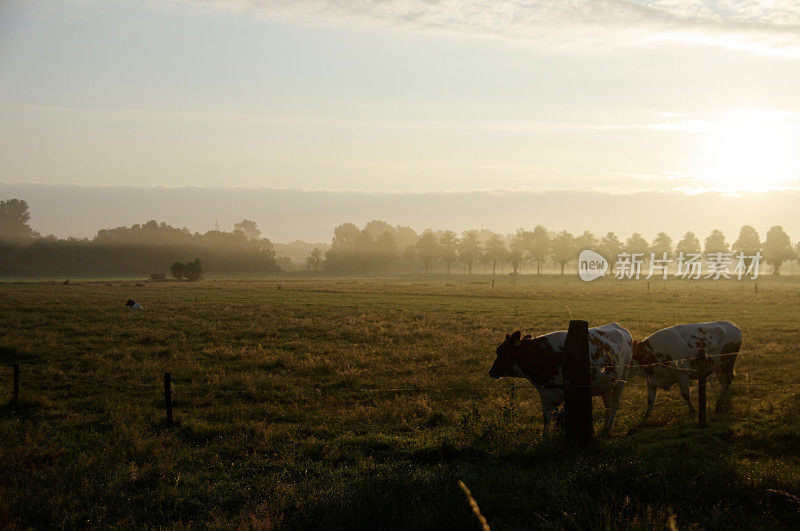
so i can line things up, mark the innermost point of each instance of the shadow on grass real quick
(780, 442)
(10, 355)
(637, 481)
(21, 408)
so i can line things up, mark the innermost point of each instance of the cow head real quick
(129, 303)
(533, 358)
(507, 354)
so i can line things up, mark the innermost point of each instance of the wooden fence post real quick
(168, 396)
(16, 381)
(701, 386)
(577, 385)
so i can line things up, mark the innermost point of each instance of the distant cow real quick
(133, 305)
(540, 360)
(669, 356)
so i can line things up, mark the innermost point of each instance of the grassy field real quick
(320, 402)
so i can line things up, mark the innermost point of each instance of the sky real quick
(414, 96)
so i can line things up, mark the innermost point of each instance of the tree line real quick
(139, 249)
(380, 247)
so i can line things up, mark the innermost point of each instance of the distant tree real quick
(610, 247)
(265, 247)
(248, 229)
(494, 251)
(410, 256)
(636, 244)
(314, 260)
(385, 250)
(428, 249)
(587, 240)
(748, 243)
(518, 248)
(662, 243)
(343, 256)
(469, 249)
(376, 227)
(688, 244)
(364, 249)
(405, 236)
(777, 248)
(715, 243)
(193, 270)
(14, 217)
(797, 252)
(563, 249)
(540, 247)
(345, 236)
(177, 270)
(448, 248)
(137, 248)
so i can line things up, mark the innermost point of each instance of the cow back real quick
(610, 353)
(683, 341)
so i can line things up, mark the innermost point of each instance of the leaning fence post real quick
(168, 396)
(701, 386)
(577, 385)
(16, 381)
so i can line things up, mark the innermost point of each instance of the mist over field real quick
(286, 215)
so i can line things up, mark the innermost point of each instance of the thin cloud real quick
(754, 26)
(671, 122)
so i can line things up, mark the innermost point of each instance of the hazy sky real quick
(287, 215)
(415, 95)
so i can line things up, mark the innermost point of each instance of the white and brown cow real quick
(540, 360)
(669, 357)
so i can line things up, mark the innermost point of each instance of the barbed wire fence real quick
(182, 389)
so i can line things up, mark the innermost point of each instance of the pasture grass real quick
(360, 403)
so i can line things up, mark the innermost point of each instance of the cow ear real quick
(515, 337)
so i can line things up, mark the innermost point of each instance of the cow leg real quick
(651, 399)
(612, 404)
(610, 411)
(684, 383)
(547, 414)
(725, 378)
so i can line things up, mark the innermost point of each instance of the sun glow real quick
(750, 151)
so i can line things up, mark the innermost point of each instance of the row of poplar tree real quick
(383, 247)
